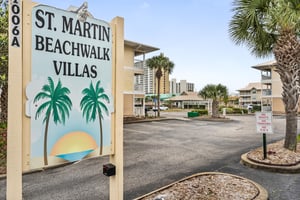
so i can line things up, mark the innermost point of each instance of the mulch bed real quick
(277, 155)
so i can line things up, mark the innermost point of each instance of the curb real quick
(262, 195)
(32, 171)
(152, 119)
(271, 168)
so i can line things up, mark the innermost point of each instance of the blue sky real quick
(192, 33)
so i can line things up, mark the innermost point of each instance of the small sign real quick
(15, 28)
(264, 122)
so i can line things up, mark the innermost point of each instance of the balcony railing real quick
(265, 77)
(245, 94)
(266, 108)
(138, 87)
(139, 64)
(267, 92)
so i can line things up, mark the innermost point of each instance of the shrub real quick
(233, 110)
(201, 111)
(256, 108)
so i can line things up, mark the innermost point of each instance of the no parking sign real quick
(264, 122)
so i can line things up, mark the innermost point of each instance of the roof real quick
(161, 96)
(139, 48)
(187, 96)
(265, 65)
(250, 86)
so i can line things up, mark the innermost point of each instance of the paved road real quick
(160, 152)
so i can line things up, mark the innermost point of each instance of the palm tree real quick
(272, 26)
(57, 104)
(161, 64)
(92, 104)
(217, 93)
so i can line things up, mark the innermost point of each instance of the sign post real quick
(14, 129)
(60, 61)
(116, 182)
(264, 125)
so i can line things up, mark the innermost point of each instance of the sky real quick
(193, 34)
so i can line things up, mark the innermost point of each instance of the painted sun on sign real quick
(69, 97)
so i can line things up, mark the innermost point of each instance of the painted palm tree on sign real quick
(92, 105)
(273, 26)
(217, 93)
(161, 64)
(57, 104)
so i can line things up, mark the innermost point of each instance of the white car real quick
(160, 107)
(249, 107)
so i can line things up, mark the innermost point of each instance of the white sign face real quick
(70, 95)
(264, 122)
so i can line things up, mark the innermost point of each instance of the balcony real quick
(138, 87)
(266, 108)
(266, 78)
(267, 92)
(139, 67)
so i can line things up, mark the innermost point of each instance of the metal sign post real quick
(265, 145)
(264, 125)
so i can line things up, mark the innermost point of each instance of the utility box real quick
(109, 169)
(193, 114)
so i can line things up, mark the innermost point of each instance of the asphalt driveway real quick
(160, 152)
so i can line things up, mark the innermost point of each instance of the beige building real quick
(271, 98)
(181, 86)
(188, 100)
(251, 94)
(134, 64)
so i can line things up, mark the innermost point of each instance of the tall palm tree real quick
(160, 64)
(217, 93)
(57, 104)
(92, 104)
(272, 26)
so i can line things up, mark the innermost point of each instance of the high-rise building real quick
(181, 86)
(151, 83)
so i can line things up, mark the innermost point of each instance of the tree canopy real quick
(269, 27)
(160, 64)
(217, 93)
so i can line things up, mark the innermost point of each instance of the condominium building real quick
(181, 86)
(251, 94)
(134, 65)
(271, 98)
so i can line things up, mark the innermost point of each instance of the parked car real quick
(160, 107)
(249, 107)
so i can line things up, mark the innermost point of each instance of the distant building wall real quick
(181, 86)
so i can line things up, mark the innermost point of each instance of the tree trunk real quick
(158, 97)
(45, 140)
(287, 55)
(158, 75)
(291, 131)
(101, 134)
(215, 108)
(3, 104)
